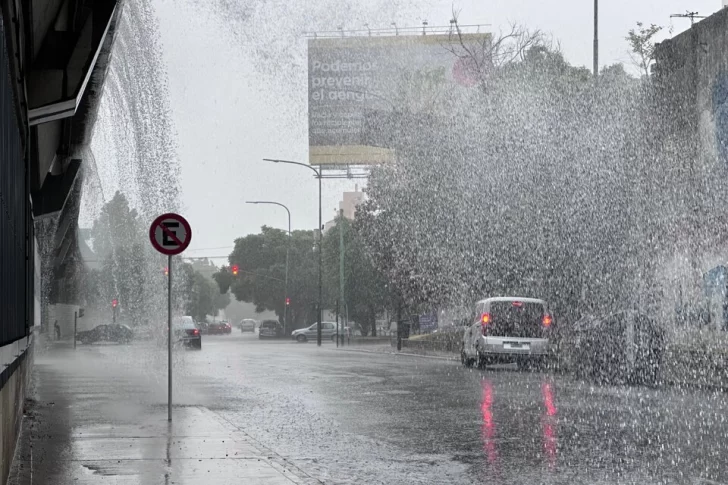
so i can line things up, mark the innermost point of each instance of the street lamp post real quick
(288, 248)
(321, 240)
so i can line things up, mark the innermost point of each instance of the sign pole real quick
(169, 338)
(75, 326)
(170, 234)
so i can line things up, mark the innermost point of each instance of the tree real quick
(261, 278)
(128, 266)
(642, 44)
(365, 287)
(201, 291)
(198, 292)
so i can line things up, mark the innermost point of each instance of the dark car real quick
(218, 328)
(106, 333)
(270, 329)
(187, 333)
(624, 347)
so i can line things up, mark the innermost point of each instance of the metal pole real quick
(169, 339)
(288, 249)
(342, 295)
(337, 324)
(321, 264)
(596, 38)
(75, 326)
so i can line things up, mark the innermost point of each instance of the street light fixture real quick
(321, 240)
(285, 307)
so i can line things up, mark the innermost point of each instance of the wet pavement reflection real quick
(352, 417)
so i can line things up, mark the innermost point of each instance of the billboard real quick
(354, 83)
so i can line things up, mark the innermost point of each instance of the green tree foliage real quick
(364, 286)
(118, 241)
(262, 262)
(642, 45)
(200, 292)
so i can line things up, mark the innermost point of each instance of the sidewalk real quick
(86, 424)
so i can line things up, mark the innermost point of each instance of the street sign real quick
(170, 234)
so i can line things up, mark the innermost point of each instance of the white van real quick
(507, 329)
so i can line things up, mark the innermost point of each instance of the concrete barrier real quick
(13, 392)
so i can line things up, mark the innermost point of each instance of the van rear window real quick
(517, 312)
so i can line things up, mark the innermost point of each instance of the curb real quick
(407, 354)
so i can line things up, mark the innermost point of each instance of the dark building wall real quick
(17, 271)
(15, 221)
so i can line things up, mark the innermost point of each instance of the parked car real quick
(328, 331)
(186, 332)
(508, 329)
(247, 325)
(106, 333)
(270, 329)
(624, 347)
(218, 328)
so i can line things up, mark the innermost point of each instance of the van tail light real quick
(485, 320)
(546, 321)
(195, 332)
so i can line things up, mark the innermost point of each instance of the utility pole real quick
(596, 38)
(342, 296)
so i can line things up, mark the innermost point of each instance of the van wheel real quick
(465, 360)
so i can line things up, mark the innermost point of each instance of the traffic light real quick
(288, 301)
(166, 271)
(114, 303)
(235, 269)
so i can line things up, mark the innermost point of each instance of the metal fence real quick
(15, 259)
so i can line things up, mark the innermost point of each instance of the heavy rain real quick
(364, 242)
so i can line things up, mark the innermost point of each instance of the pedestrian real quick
(57, 328)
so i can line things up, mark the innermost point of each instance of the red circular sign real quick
(170, 234)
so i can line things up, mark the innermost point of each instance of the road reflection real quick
(548, 423)
(516, 430)
(488, 431)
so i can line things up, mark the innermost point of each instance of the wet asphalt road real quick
(354, 417)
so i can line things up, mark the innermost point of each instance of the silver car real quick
(247, 325)
(508, 329)
(328, 331)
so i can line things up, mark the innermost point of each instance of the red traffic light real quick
(114, 302)
(235, 269)
(288, 301)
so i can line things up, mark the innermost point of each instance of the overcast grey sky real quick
(238, 89)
